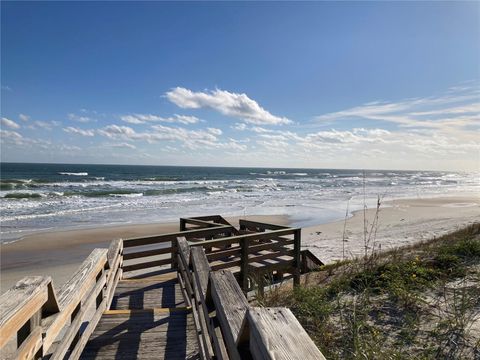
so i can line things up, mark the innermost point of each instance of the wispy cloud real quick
(23, 117)
(122, 145)
(146, 118)
(79, 118)
(227, 103)
(10, 123)
(75, 130)
(453, 110)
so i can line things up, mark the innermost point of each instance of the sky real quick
(364, 85)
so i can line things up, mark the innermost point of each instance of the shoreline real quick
(401, 222)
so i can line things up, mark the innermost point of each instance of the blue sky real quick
(328, 84)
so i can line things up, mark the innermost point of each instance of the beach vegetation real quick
(416, 302)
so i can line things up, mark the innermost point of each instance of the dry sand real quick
(401, 222)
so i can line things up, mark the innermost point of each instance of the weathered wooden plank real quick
(20, 303)
(184, 250)
(226, 264)
(201, 268)
(231, 306)
(248, 237)
(146, 253)
(249, 224)
(31, 345)
(173, 236)
(203, 223)
(224, 253)
(270, 255)
(85, 335)
(277, 334)
(74, 327)
(72, 293)
(114, 251)
(146, 265)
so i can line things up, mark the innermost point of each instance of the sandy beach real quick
(400, 222)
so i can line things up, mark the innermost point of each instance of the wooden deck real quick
(148, 319)
(170, 296)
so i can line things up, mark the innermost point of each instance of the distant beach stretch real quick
(73, 208)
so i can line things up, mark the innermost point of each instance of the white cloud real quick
(230, 104)
(145, 118)
(123, 145)
(215, 131)
(74, 130)
(47, 125)
(79, 118)
(23, 117)
(10, 123)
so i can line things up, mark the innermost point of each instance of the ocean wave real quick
(19, 195)
(74, 174)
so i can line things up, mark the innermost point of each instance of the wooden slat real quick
(201, 268)
(184, 251)
(173, 236)
(146, 265)
(74, 327)
(146, 253)
(203, 223)
(20, 303)
(270, 255)
(248, 224)
(226, 264)
(231, 306)
(31, 345)
(247, 237)
(275, 333)
(114, 251)
(72, 292)
(221, 254)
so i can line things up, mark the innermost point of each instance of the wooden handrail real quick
(38, 314)
(217, 298)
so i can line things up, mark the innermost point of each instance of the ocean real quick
(39, 197)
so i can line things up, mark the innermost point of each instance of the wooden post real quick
(297, 236)
(244, 264)
(182, 224)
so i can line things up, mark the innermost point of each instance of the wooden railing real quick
(36, 320)
(227, 326)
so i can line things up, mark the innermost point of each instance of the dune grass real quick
(415, 302)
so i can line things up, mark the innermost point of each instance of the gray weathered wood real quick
(183, 250)
(146, 265)
(231, 306)
(72, 293)
(173, 236)
(146, 253)
(114, 251)
(201, 269)
(20, 303)
(275, 333)
(248, 224)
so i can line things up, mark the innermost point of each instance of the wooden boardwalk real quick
(169, 296)
(148, 319)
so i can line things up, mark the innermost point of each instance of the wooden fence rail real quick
(48, 322)
(217, 265)
(227, 326)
